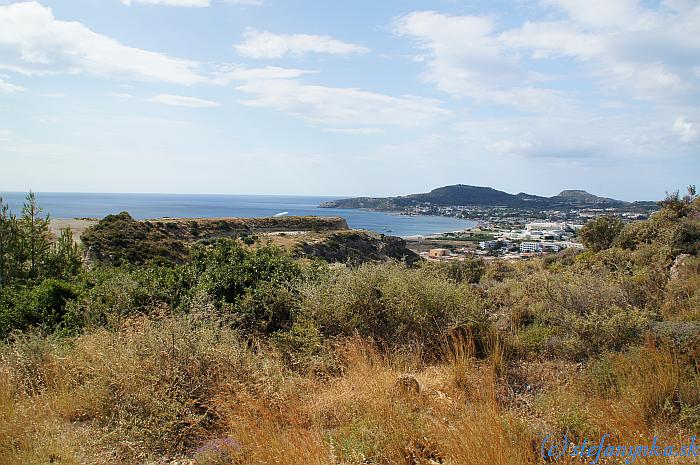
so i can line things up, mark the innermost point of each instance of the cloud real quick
(322, 105)
(551, 39)
(8, 88)
(229, 73)
(179, 3)
(355, 131)
(464, 57)
(606, 14)
(118, 95)
(183, 101)
(686, 131)
(34, 42)
(509, 146)
(641, 53)
(268, 45)
(243, 2)
(190, 3)
(625, 47)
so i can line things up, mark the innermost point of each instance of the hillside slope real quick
(464, 195)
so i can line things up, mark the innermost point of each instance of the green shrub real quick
(42, 306)
(600, 233)
(256, 287)
(469, 270)
(391, 304)
(533, 339)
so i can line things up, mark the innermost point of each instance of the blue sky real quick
(349, 98)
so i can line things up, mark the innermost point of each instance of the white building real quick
(545, 226)
(488, 245)
(526, 247)
(571, 245)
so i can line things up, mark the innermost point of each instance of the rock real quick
(354, 248)
(407, 384)
(677, 264)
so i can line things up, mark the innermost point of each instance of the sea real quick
(152, 206)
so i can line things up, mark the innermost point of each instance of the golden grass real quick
(188, 389)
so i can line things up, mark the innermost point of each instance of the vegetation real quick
(354, 248)
(460, 194)
(242, 354)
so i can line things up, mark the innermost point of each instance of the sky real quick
(307, 97)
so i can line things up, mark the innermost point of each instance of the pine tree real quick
(8, 244)
(64, 258)
(36, 235)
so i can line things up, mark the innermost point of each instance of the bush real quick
(391, 304)
(112, 294)
(469, 270)
(42, 306)
(119, 239)
(655, 381)
(600, 233)
(686, 238)
(533, 339)
(255, 287)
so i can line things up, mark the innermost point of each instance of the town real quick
(512, 233)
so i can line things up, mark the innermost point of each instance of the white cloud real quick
(462, 57)
(8, 88)
(226, 74)
(686, 131)
(602, 14)
(268, 45)
(355, 131)
(243, 2)
(509, 146)
(190, 3)
(623, 45)
(554, 38)
(34, 42)
(644, 54)
(341, 106)
(183, 101)
(465, 58)
(118, 95)
(181, 3)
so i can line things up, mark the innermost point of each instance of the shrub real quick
(655, 381)
(256, 287)
(119, 239)
(390, 303)
(150, 387)
(600, 233)
(470, 270)
(112, 294)
(533, 339)
(42, 306)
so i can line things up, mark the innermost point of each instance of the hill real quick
(464, 195)
(118, 239)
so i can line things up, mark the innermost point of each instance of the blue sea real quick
(150, 206)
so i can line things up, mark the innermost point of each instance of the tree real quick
(64, 257)
(679, 206)
(35, 234)
(9, 244)
(600, 233)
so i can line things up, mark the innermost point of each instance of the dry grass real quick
(181, 387)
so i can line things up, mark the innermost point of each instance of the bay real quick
(151, 206)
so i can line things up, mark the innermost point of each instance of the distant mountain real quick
(583, 196)
(464, 195)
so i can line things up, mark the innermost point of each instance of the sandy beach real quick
(77, 225)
